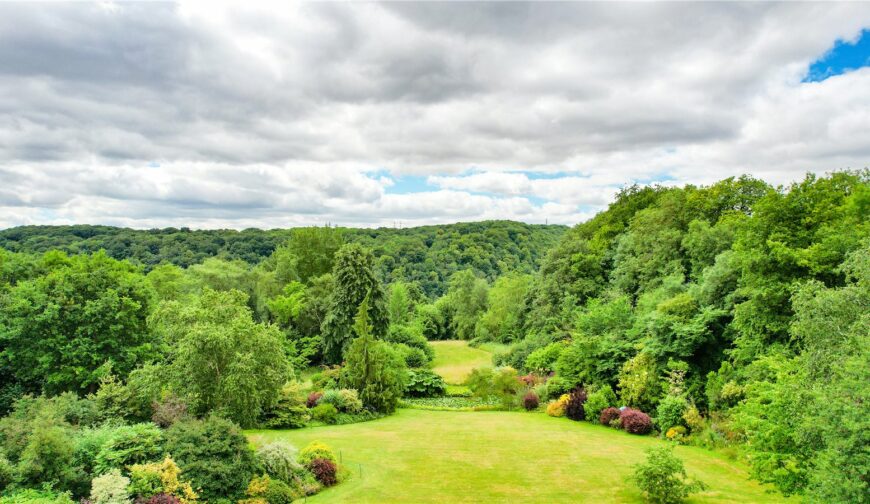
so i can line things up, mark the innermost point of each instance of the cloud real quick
(217, 114)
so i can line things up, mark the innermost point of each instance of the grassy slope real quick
(434, 456)
(455, 359)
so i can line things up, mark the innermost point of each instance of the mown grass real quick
(484, 457)
(454, 360)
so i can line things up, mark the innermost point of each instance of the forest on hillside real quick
(428, 255)
(731, 316)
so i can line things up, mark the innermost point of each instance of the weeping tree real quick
(354, 279)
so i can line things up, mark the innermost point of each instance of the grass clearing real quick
(454, 360)
(438, 456)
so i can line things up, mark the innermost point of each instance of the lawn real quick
(440, 456)
(455, 359)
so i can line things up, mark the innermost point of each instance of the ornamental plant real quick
(324, 470)
(608, 416)
(316, 450)
(557, 408)
(574, 406)
(531, 401)
(635, 421)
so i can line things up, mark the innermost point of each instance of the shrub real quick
(530, 401)
(502, 383)
(316, 450)
(693, 419)
(279, 461)
(639, 382)
(169, 410)
(326, 379)
(598, 401)
(6, 472)
(377, 371)
(425, 383)
(352, 402)
(634, 421)
(557, 408)
(290, 410)
(325, 413)
(346, 400)
(265, 490)
(544, 359)
(413, 357)
(130, 444)
(161, 480)
(574, 407)
(110, 488)
(662, 477)
(160, 498)
(670, 412)
(31, 496)
(324, 470)
(675, 433)
(608, 416)
(313, 399)
(556, 386)
(411, 337)
(48, 456)
(214, 455)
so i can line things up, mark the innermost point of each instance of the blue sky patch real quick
(843, 57)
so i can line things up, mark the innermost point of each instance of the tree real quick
(83, 319)
(506, 299)
(315, 249)
(221, 360)
(353, 281)
(373, 367)
(467, 300)
(662, 477)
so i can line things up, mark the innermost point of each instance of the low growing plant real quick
(110, 488)
(608, 416)
(316, 450)
(574, 406)
(425, 383)
(531, 401)
(324, 412)
(324, 470)
(598, 401)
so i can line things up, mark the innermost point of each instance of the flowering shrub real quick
(676, 433)
(160, 498)
(316, 450)
(574, 407)
(530, 401)
(635, 421)
(324, 470)
(313, 399)
(608, 416)
(557, 408)
(160, 478)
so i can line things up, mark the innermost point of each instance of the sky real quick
(210, 115)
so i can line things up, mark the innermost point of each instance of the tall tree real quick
(64, 330)
(314, 249)
(221, 359)
(354, 280)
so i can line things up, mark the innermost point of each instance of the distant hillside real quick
(427, 254)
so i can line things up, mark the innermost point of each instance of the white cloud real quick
(268, 114)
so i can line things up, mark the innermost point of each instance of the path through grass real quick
(489, 457)
(455, 359)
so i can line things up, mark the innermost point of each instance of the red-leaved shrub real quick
(160, 498)
(608, 415)
(324, 470)
(574, 407)
(313, 398)
(635, 421)
(531, 401)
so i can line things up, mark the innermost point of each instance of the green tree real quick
(315, 249)
(506, 301)
(373, 368)
(221, 360)
(353, 281)
(466, 301)
(68, 328)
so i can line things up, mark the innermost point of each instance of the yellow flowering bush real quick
(147, 480)
(675, 433)
(557, 408)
